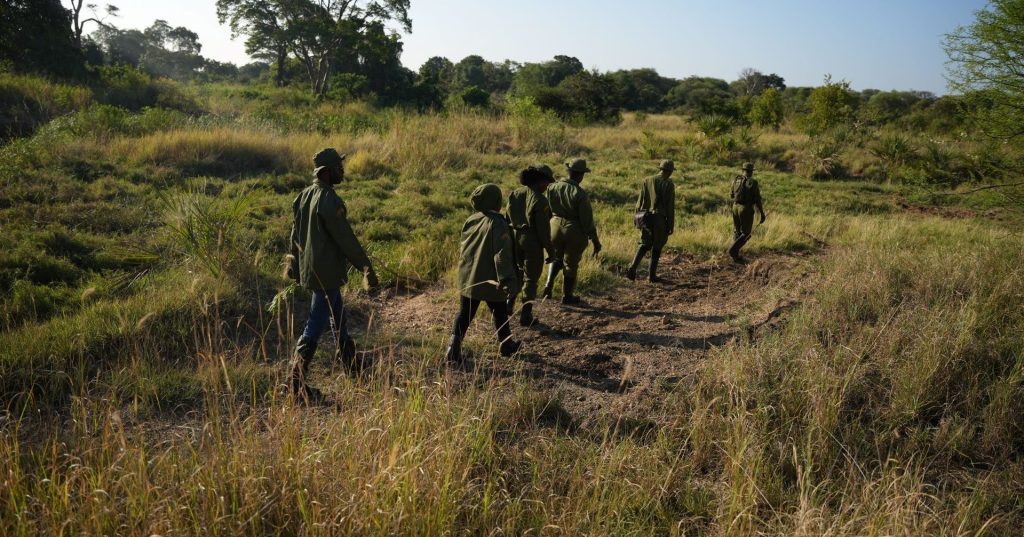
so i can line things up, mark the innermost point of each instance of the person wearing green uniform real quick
(529, 215)
(746, 196)
(655, 216)
(322, 247)
(487, 271)
(572, 226)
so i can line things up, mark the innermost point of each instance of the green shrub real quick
(533, 128)
(127, 87)
(26, 102)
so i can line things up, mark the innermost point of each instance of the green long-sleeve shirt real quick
(322, 241)
(658, 195)
(529, 212)
(569, 201)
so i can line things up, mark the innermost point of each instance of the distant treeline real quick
(359, 59)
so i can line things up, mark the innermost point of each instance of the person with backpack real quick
(746, 196)
(655, 218)
(529, 215)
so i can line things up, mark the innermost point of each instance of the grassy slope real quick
(890, 403)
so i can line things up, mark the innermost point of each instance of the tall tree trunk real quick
(282, 56)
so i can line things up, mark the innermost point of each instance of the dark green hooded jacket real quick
(487, 268)
(322, 240)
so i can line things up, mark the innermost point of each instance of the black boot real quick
(652, 272)
(569, 290)
(509, 347)
(734, 250)
(454, 353)
(526, 317)
(549, 285)
(302, 392)
(637, 259)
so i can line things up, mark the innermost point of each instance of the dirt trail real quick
(616, 355)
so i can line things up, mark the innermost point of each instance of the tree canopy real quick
(986, 64)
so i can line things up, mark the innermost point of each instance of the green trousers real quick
(655, 234)
(742, 220)
(570, 242)
(530, 260)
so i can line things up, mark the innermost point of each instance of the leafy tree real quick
(266, 27)
(438, 70)
(702, 96)
(320, 28)
(160, 50)
(316, 32)
(890, 106)
(531, 78)
(474, 96)
(476, 71)
(752, 83)
(829, 106)
(986, 65)
(642, 89)
(767, 110)
(36, 36)
(590, 97)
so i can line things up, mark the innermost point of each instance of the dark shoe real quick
(569, 292)
(454, 353)
(526, 317)
(509, 347)
(640, 253)
(306, 394)
(652, 272)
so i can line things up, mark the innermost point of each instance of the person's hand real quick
(292, 268)
(597, 248)
(763, 217)
(371, 282)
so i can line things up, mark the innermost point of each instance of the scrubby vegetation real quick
(141, 364)
(144, 322)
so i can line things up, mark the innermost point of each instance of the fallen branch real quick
(988, 187)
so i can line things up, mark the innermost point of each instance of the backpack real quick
(742, 190)
(515, 212)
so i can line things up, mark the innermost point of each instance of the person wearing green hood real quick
(487, 271)
(529, 215)
(572, 226)
(322, 247)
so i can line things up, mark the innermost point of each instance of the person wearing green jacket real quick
(529, 215)
(572, 226)
(323, 246)
(487, 271)
(656, 217)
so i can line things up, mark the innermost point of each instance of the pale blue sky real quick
(885, 44)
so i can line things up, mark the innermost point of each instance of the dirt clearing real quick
(615, 356)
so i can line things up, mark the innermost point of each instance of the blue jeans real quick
(327, 307)
(327, 310)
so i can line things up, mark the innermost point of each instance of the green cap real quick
(579, 165)
(667, 165)
(748, 166)
(327, 158)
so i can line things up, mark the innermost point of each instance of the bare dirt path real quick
(616, 356)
